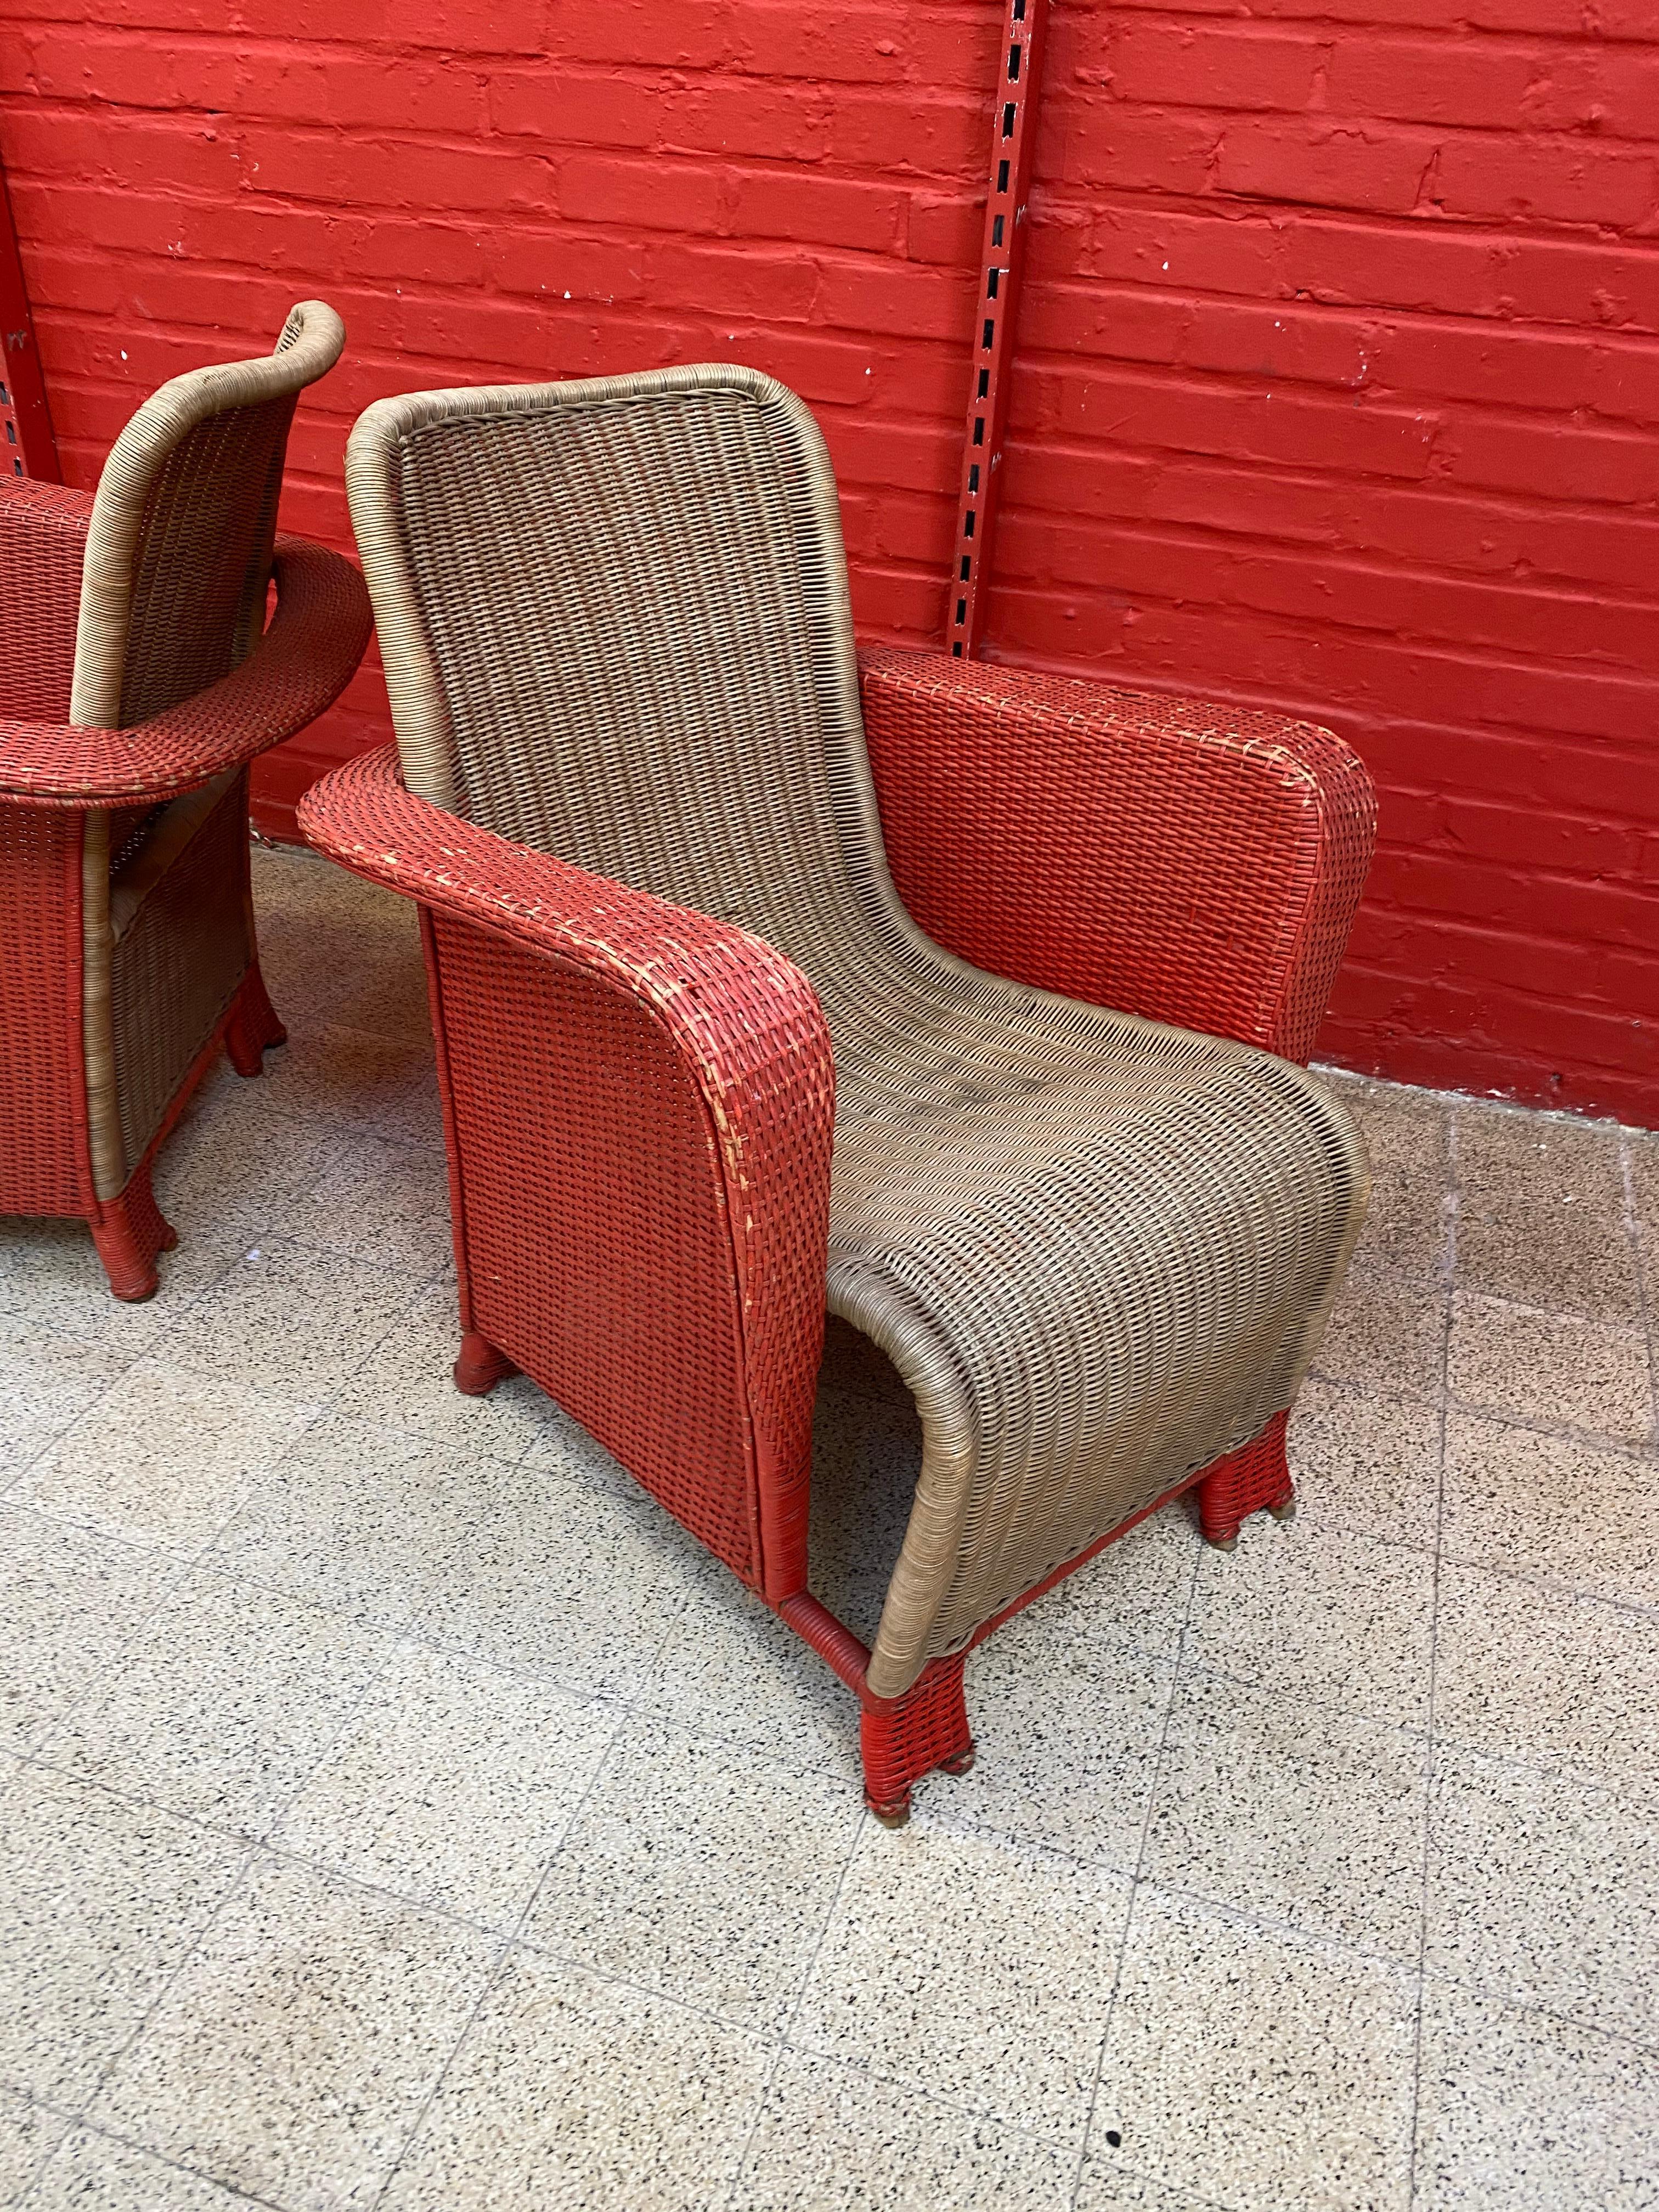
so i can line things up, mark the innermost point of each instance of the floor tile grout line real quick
(511, 1944)
(783, 2044)
(1298, 1933)
(1138, 1877)
(174, 2164)
(1453, 1211)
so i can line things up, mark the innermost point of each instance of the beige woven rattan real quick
(616, 629)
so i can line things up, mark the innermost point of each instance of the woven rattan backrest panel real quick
(178, 555)
(202, 560)
(633, 602)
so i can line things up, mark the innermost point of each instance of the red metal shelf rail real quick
(1013, 133)
(27, 447)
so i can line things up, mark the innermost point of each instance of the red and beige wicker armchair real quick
(137, 679)
(703, 1072)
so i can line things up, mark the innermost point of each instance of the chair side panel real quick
(176, 968)
(43, 1165)
(591, 1230)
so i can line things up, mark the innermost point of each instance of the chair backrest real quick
(178, 559)
(615, 623)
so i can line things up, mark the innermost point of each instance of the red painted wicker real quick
(633, 647)
(137, 679)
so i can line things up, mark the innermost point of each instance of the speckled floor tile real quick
(352, 1080)
(1066, 1726)
(290, 1321)
(46, 1383)
(1521, 2113)
(830, 2139)
(70, 1601)
(295, 2052)
(119, 1467)
(1364, 1461)
(1138, 1590)
(700, 1872)
(373, 1520)
(50, 1278)
(570, 2092)
(1545, 1891)
(384, 1204)
(971, 1968)
(99, 1902)
(221, 1703)
(28, 2135)
(387, 995)
(93, 2174)
(1559, 1508)
(1108, 2185)
(407, 1383)
(1293, 1812)
(1540, 1213)
(1388, 1333)
(1318, 1612)
(452, 1784)
(1548, 1367)
(231, 1158)
(1407, 1223)
(1255, 2069)
(576, 1578)
(729, 1667)
(1550, 1680)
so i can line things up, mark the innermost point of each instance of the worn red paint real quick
(1338, 387)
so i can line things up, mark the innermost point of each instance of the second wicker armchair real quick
(704, 1073)
(137, 681)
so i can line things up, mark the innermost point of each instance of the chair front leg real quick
(1253, 1480)
(131, 1232)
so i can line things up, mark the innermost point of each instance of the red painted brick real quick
(1338, 392)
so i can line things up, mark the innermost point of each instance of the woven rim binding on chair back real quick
(179, 547)
(615, 627)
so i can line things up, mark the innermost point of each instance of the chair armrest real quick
(738, 1018)
(300, 666)
(43, 541)
(1199, 864)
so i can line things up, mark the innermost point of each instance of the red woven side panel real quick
(42, 1085)
(592, 1231)
(1199, 864)
(43, 536)
(554, 1095)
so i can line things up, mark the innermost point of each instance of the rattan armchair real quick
(137, 679)
(703, 1072)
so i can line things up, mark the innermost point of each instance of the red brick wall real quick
(1339, 387)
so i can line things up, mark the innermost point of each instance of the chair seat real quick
(1099, 1249)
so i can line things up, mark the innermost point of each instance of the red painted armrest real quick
(300, 666)
(738, 1018)
(1200, 865)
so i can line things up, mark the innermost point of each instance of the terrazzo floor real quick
(397, 1811)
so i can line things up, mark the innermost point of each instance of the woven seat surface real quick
(1100, 1250)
